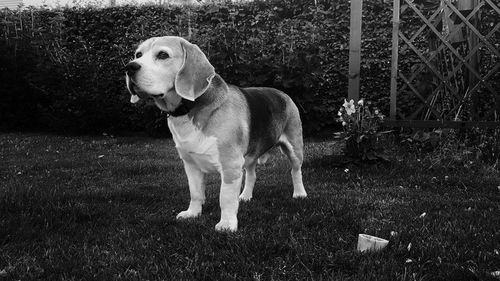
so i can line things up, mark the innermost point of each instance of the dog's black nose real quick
(132, 67)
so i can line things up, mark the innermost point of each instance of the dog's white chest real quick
(194, 146)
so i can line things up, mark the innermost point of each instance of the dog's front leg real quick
(196, 189)
(228, 198)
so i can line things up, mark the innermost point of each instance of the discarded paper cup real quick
(370, 243)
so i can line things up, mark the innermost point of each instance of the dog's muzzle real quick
(131, 68)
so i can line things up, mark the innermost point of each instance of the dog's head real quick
(168, 69)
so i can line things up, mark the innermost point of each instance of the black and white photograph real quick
(250, 140)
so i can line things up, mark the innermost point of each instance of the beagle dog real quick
(216, 127)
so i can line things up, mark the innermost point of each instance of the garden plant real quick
(362, 131)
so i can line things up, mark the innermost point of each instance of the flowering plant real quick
(361, 130)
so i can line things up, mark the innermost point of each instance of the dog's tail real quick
(263, 158)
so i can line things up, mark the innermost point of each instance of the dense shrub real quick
(63, 69)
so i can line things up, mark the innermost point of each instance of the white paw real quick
(245, 197)
(227, 225)
(188, 214)
(302, 194)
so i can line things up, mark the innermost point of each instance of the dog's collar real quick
(184, 107)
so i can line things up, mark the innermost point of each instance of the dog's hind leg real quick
(250, 178)
(292, 145)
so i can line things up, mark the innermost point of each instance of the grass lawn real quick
(103, 208)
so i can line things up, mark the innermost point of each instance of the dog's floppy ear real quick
(195, 74)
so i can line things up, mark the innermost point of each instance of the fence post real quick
(472, 41)
(355, 49)
(394, 57)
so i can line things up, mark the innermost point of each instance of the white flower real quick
(376, 112)
(360, 102)
(344, 123)
(346, 170)
(339, 113)
(349, 107)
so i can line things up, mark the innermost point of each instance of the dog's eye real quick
(162, 55)
(138, 55)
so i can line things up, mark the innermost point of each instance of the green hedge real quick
(63, 69)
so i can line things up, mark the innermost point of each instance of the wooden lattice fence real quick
(445, 73)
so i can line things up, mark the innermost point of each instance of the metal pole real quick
(394, 57)
(355, 49)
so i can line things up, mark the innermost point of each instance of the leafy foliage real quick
(457, 147)
(63, 69)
